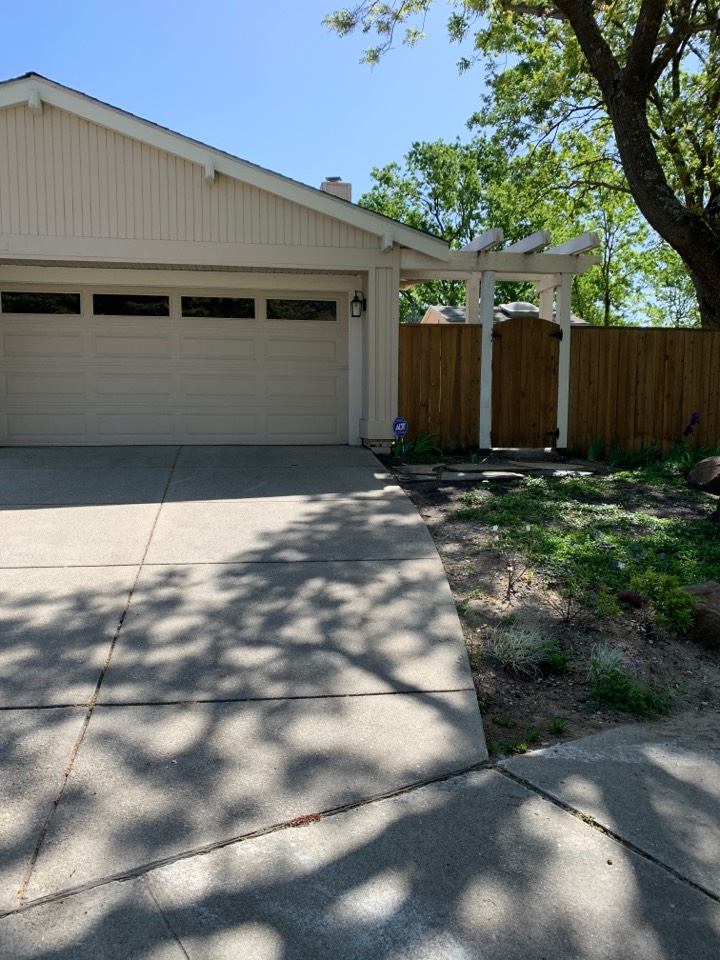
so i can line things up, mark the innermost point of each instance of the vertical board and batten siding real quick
(62, 176)
(629, 386)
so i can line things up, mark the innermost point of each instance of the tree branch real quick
(600, 58)
(644, 41)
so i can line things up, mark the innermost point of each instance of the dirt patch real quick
(526, 711)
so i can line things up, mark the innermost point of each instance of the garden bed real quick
(548, 556)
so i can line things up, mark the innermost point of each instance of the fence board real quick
(630, 386)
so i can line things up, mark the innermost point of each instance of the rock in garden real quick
(705, 476)
(706, 625)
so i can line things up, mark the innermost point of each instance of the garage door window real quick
(44, 303)
(130, 305)
(301, 310)
(220, 308)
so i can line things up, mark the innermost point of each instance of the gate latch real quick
(558, 334)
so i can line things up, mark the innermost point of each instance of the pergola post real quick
(472, 300)
(564, 293)
(487, 308)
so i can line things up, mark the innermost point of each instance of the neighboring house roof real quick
(505, 311)
(20, 89)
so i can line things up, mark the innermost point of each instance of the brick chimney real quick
(337, 187)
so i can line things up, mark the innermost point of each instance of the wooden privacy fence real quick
(629, 386)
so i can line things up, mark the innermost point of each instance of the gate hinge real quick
(495, 335)
(554, 433)
(558, 334)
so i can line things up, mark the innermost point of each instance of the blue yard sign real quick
(400, 426)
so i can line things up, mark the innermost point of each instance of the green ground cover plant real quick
(595, 536)
(613, 683)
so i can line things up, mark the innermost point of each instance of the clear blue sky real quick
(263, 80)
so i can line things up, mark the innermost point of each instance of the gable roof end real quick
(25, 89)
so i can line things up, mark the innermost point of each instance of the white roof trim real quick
(17, 91)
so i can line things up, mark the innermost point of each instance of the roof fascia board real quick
(15, 92)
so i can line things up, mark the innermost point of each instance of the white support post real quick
(547, 303)
(563, 318)
(472, 300)
(487, 307)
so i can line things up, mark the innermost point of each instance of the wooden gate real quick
(525, 383)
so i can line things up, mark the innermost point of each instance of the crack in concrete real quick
(20, 895)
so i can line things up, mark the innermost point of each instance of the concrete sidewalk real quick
(478, 865)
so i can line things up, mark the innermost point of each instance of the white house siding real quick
(380, 349)
(63, 176)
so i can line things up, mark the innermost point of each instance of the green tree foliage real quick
(457, 190)
(454, 190)
(641, 77)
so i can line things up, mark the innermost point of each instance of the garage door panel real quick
(304, 388)
(133, 385)
(302, 351)
(206, 425)
(24, 384)
(44, 426)
(125, 424)
(47, 345)
(212, 386)
(200, 348)
(132, 347)
(282, 427)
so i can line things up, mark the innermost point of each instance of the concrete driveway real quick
(199, 643)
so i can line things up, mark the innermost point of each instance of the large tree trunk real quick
(625, 93)
(688, 233)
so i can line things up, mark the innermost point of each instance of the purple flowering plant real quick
(692, 423)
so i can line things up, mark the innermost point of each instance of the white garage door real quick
(103, 367)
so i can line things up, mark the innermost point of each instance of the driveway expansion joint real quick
(19, 896)
(296, 822)
(164, 917)
(592, 822)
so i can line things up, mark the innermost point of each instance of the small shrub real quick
(672, 606)
(614, 684)
(533, 735)
(555, 659)
(514, 746)
(519, 651)
(422, 448)
(558, 726)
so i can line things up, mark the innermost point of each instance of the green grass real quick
(588, 532)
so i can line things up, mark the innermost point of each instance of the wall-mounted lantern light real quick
(358, 305)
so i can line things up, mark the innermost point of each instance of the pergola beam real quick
(581, 244)
(461, 265)
(486, 241)
(531, 244)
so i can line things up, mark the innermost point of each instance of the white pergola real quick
(530, 260)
